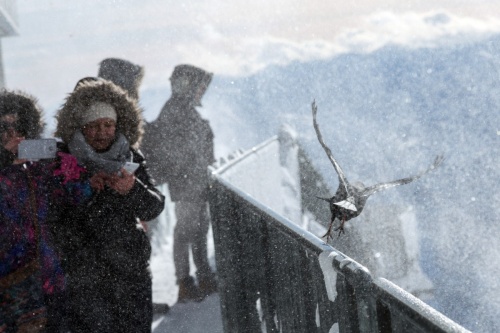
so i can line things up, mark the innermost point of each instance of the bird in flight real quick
(350, 199)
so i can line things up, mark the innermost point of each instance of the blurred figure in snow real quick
(179, 146)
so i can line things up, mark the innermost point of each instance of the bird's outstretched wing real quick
(342, 180)
(382, 186)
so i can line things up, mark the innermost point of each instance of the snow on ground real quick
(182, 318)
(191, 318)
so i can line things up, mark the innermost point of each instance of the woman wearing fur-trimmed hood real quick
(20, 118)
(31, 194)
(106, 254)
(91, 90)
(93, 99)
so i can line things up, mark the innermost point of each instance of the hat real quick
(123, 73)
(187, 80)
(96, 111)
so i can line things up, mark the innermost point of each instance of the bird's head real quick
(358, 186)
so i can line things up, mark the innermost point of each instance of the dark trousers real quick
(191, 233)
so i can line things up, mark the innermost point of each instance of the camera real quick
(130, 167)
(34, 150)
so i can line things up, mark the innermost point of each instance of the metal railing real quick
(276, 277)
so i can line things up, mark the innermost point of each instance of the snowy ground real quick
(191, 318)
(182, 318)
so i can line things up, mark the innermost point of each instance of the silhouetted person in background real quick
(123, 73)
(179, 147)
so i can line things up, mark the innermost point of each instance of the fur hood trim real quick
(129, 115)
(29, 112)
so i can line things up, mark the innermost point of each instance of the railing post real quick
(220, 209)
(237, 300)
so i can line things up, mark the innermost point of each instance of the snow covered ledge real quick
(268, 172)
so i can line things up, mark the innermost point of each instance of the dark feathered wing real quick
(382, 186)
(342, 179)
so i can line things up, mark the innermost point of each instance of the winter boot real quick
(207, 284)
(188, 291)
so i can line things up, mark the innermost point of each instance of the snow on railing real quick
(275, 276)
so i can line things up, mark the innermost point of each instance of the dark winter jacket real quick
(106, 250)
(106, 256)
(107, 231)
(179, 144)
(29, 123)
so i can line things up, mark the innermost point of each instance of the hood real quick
(28, 111)
(123, 73)
(190, 82)
(129, 120)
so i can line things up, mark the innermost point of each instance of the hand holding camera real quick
(121, 182)
(98, 181)
(12, 143)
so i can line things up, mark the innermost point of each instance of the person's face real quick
(8, 128)
(100, 133)
(199, 94)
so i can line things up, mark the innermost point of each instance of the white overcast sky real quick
(61, 41)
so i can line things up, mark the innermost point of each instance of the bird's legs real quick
(341, 227)
(328, 233)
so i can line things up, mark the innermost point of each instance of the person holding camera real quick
(32, 282)
(20, 118)
(106, 251)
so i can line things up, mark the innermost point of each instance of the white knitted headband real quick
(98, 110)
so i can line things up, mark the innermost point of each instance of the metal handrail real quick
(276, 277)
